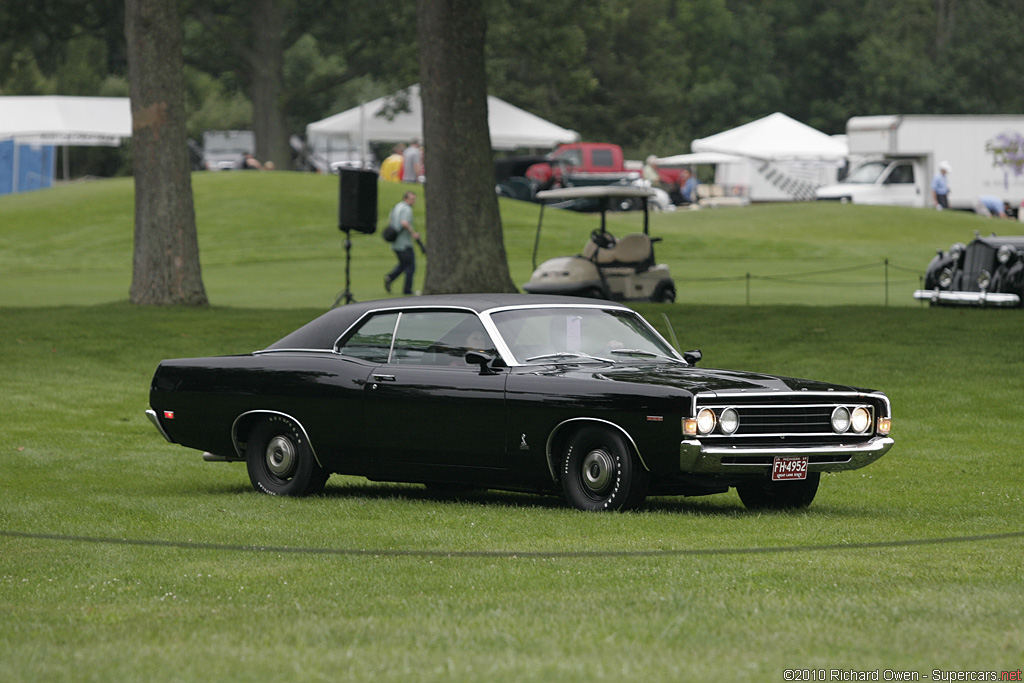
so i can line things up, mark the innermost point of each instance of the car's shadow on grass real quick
(718, 505)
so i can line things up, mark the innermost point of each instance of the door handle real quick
(384, 378)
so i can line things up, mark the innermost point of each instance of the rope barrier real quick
(795, 278)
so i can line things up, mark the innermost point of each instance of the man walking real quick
(401, 220)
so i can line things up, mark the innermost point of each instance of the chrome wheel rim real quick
(597, 471)
(280, 456)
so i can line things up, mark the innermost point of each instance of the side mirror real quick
(484, 360)
(692, 357)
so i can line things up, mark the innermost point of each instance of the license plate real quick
(789, 468)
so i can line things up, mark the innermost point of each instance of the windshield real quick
(557, 334)
(866, 173)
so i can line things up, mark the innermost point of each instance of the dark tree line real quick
(649, 75)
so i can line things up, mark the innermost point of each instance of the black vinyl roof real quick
(323, 332)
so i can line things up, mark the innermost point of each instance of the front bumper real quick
(938, 296)
(699, 458)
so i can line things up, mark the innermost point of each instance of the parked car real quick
(516, 392)
(622, 269)
(987, 272)
(225, 150)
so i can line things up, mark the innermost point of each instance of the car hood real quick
(699, 380)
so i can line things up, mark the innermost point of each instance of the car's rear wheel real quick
(764, 494)
(280, 460)
(600, 471)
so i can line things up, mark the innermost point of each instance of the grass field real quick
(123, 557)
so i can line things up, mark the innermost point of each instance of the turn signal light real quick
(884, 425)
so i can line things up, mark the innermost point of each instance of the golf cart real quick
(621, 269)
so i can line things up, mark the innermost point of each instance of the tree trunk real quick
(165, 264)
(266, 68)
(467, 249)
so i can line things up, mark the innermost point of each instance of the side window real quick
(901, 174)
(440, 338)
(572, 156)
(602, 158)
(372, 341)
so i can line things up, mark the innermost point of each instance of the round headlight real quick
(984, 280)
(956, 250)
(945, 278)
(706, 421)
(860, 420)
(729, 421)
(1005, 253)
(840, 420)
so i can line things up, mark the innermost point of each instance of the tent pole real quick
(14, 178)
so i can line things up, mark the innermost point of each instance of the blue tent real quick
(25, 166)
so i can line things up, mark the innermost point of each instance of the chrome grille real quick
(765, 420)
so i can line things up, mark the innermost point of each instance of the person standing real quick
(413, 163)
(391, 168)
(940, 186)
(401, 220)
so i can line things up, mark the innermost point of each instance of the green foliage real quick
(650, 76)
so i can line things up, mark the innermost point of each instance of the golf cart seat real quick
(634, 251)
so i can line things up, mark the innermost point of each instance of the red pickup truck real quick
(591, 163)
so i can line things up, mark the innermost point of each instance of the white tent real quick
(58, 120)
(774, 138)
(31, 126)
(511, 127)
(784, 159)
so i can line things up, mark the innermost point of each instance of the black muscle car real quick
(987, 272)
(530, 393)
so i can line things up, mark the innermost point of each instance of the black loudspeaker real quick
(357, 201)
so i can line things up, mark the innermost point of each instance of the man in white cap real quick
(940, 187)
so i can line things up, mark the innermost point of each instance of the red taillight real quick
(168, 414)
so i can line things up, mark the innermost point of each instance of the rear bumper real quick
(151, 414)
(937, 296)
(699, 458)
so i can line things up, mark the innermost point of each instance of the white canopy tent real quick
(352, 131)
(58, 120)
(784, 159)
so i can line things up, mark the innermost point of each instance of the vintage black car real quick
(987, 272)
(543, 394)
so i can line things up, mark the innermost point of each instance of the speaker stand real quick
(346, 294)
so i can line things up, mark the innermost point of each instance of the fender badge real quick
(523, 446)
(655, 418)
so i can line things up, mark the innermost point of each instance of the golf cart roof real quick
(595, 192)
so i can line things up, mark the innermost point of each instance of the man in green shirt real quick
(401, 220)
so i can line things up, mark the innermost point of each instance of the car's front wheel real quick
(280, 460)
(764, 494)
(600, 471)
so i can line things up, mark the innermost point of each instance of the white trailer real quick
(899, 156)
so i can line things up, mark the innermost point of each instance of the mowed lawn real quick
(124, 557)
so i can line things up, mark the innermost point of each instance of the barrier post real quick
(887, 283)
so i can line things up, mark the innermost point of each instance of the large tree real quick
(467, 251)
(165, 265)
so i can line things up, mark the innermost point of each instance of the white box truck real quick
(899, 155)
